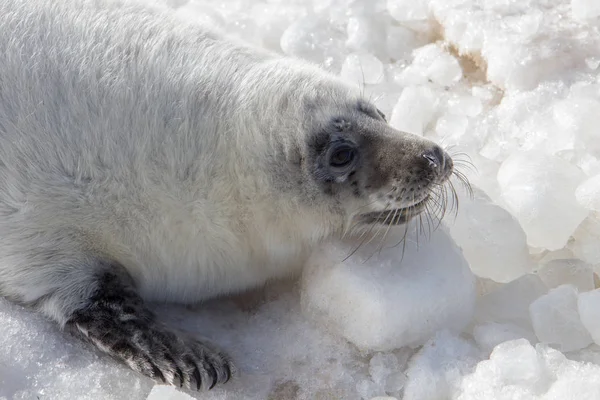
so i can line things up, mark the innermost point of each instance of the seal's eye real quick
(341, 156)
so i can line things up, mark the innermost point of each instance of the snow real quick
(164, 392)
(516, 370)
(556, 319)
(588, 193)
(439, 366)
(575, 272)
(398, 297)
(534, 186)
(492, 239)
(501, 302)
(414, 109)
(588, 306)
(585, 9)
(362, 68)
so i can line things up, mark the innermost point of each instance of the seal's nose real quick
(438, 160)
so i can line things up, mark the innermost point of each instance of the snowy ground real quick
(515, 84)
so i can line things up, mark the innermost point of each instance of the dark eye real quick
(341, 156)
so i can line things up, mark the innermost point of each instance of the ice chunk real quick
(491, 334)
(384, 300)
(367, 389)
(576, 381)
(401, 41)
(431, 63)
(404, 354)
(384, 96)
(437, 369)
(562, 254)
(403, 10)
(515, 366)
(274, 19)
(395, 382)
(520, 365)
(366, 34)
(486, 286)
(538, 48)
(407, 76)
(556, 321)
(451, 127)
(575, 272)
(589, 164)
(579, 115)
(585, 9)
(510, 303)
(586, 239)
(382, 365)
(588, 193)
(534, 186)
(362, 68)
(592, 62)
(164, 392)
(461, 104)
(588, 305)
(437, 64)
(314, 39)
(414, 109)
(492, 240)
(517, 370)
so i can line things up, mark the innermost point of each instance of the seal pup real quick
(144, 158)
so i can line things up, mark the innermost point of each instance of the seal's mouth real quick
(396, 216)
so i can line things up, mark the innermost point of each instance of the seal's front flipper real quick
(117, 321)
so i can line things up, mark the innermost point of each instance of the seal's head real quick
(376, 174)
(335, 157)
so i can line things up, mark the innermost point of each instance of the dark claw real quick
(177, 371)
(228, 371)
(157, 374)
(198, 378)
(213, 374)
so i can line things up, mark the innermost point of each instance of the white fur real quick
(113, 144)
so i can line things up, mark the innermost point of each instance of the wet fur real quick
(143, 158)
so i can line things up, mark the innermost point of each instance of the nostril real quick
(435, 157)
(433, 162)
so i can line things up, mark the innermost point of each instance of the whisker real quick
(455, 199)
(379, 230)
(371, 203)
(404, 242)
(365, 235)
(448, 148)
(349, 230)
(464, 182)
(387, 230)
(429, 220)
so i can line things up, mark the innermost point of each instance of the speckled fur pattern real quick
(146, 158)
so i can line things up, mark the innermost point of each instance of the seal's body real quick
(146, 158)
